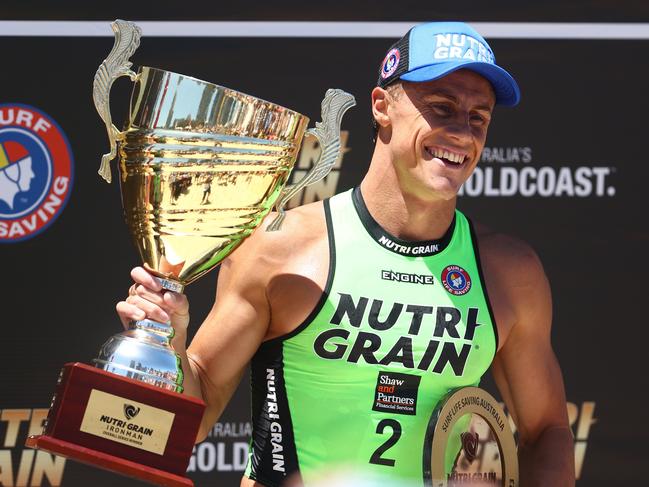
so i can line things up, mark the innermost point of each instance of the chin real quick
(435, 191)
(444, 189)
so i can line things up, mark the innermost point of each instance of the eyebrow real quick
(454, 99)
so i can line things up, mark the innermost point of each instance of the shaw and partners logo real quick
(35, 172)
(396, 393)
(507, 172)
(328, 186)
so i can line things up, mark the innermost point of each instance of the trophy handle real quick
(117, 64)
(334, 105)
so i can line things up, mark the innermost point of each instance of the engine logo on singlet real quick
(35, 172)
(456, 280)
(396, 393)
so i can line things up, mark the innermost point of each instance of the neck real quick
(401, 211)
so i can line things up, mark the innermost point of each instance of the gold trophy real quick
(200, 166)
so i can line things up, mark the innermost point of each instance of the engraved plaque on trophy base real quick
(122, 425)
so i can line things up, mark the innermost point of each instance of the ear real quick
(380, 101)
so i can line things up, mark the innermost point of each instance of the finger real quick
(141, 276)
(172, 303)
(152, 296)
(177, 303)
(128, 312)
(153, 311)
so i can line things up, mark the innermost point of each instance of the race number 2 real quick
(377, 457)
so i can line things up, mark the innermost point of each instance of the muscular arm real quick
(526, 369)
(265, 289)
(243, 314)
(230, 335)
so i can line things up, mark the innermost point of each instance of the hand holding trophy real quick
(200, 167)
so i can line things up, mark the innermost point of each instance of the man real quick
(365, 310)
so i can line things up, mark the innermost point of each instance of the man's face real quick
(437, 132)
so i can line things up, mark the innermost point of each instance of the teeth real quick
(450, 156)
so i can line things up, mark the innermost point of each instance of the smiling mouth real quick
(448, 157)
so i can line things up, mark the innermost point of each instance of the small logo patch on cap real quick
(390, 63)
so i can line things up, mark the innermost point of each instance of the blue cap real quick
(430, 51)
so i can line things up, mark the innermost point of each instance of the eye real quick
(442, 109)
(478, 119)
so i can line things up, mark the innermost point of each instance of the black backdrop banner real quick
(564, 171)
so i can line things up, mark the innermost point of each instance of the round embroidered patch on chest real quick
(456, 280)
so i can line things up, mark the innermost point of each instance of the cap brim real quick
(504, 85)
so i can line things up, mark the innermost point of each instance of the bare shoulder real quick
(269, 251)
(302, 226)
(516, 282)
(508, 256)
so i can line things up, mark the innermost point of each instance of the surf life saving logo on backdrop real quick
(36, 170)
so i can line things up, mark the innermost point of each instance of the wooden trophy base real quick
(107, 462)
(122, 425)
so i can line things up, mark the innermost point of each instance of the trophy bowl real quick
(200, 166)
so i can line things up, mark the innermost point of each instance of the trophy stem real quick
(163, 330)
(144, 353)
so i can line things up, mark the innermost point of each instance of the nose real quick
(459, 129)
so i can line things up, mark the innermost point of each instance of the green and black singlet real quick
(398, 326)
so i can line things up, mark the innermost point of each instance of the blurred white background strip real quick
(491, 30)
